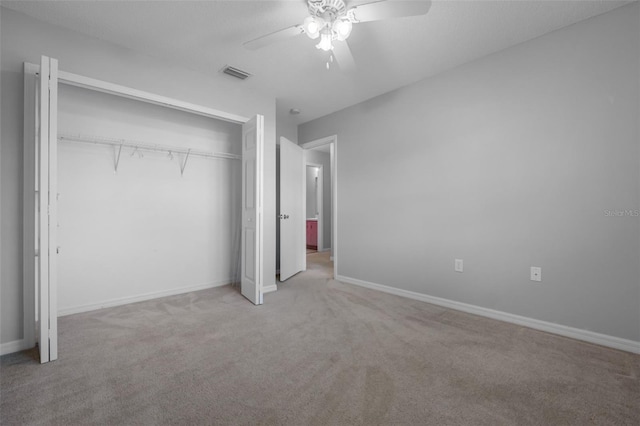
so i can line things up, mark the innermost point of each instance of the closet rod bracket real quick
(117, 157)
(184, 163)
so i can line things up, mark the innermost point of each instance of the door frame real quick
(33, 70)
(333, 140)
(319, 200)
(135, 94)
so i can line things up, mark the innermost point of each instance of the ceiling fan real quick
(331, 22)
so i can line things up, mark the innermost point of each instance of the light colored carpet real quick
(317, 352)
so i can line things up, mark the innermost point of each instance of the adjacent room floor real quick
(317, 352)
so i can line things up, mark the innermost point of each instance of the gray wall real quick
(324, 158)
(25, 39)
(285, 123)
(507, 162)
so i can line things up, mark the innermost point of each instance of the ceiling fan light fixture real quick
(325, 41)
(312, 26)
(342, 28)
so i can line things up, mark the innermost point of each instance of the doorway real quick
(314, 207)
(322, 154)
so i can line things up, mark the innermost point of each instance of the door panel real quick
(252, 160)
(250, 264)
(292, 209)
(250, 195)
(46, 230)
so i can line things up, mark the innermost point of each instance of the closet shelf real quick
(120, 143)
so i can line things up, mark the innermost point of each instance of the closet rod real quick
(148, 147)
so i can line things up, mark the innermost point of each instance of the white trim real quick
(333, 149)
(139, 95)
(15, 346)
(140, 298)
(269, 288)
(549, 327)
(319, 142)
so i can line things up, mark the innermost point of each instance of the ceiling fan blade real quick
(389, 9)
(274, 37)
(343, 56)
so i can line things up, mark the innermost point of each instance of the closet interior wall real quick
(147, 230)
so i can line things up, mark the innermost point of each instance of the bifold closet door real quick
(252, 202)
(46, 209)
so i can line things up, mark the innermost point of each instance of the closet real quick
(130, 195)
(149, 200)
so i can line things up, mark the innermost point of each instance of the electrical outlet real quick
(458, 265)
(536, 273)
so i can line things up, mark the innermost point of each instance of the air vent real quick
(235, 72)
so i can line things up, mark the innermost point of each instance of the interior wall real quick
(518, 159)
(145, 230)
(318, 157)
(24, 39)
(286, 125)
(312, 192)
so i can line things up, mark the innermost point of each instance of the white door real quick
(292, 209)
(252, 164)
(46, 210)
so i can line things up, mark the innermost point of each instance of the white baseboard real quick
(139, 298)
(15, 346)
(269, 288)
(562, 330)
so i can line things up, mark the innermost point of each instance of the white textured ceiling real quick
(206, 35)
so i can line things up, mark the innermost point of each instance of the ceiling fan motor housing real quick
(321, 8)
